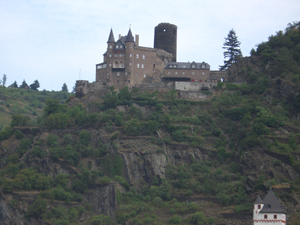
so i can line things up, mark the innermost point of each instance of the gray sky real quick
(58, 41)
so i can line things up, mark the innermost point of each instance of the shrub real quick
(38, 208)
(19, 134)
(198, 218)
(175, 219)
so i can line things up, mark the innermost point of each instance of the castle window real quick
(110, 46)
(130, 55)
(116, 54)
(144, 75)
(165, 30)
(125, 73)
(99, 67)
(121, 64)
(258, 206)
(138, 65)
(153, 66)
(121, 46)
(142, 65)
(183, 66)
(143, 56)
(121, 54)
(169, 72)
(193, 73)
(128, 81)
(265, 217)
(100, 79)
(176, 72)
(275, 217)
(104, 65)
(170, 66)
(129, 63)
(202, 73)
(137, 74)
(137, 56)
(110, 64)
(117, 46)
(107, 74)
(116, 64)
(203, 66)
(109, 55)
(118, 73)
(193, 66)
(183, 72)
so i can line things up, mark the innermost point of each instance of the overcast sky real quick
(60, 41)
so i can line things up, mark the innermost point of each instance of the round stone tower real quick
(165, 37)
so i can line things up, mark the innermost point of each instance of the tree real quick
(4, 80)
(64, 87)
(35, 85)
(24, 85)
(232, 52)
(14, 85)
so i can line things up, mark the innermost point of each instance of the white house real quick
(268, 211)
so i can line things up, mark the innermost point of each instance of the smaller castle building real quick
(268, 211)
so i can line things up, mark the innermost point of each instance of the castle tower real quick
(165, 37)
(258, 205)
(109, 55)
(129, 59)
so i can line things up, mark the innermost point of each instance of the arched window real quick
(116, 64)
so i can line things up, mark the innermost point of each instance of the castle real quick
(126, 64)
(268, 210)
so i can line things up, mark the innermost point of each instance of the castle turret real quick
(258, 205)
(109, 55)
(165, 37)
(129, 59)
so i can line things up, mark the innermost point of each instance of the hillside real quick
(26, 102)
(151, 158)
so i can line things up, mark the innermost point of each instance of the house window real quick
(258, 206)
(137, 56)
(143, 56)
(144, 75)
(275, 217)
(118, 73)
(142, 66)
(138, 65)
(265, 217)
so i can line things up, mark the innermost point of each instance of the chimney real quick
(119, 36)
(137, 37)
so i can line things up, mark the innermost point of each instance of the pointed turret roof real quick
(111, 38)
(258, 200)
(129, 37)
(271, 204)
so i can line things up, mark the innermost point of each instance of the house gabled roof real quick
(129, 37)
(111, 38)
(271, 204)
(258, 200)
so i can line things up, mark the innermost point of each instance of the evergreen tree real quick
(35, 85)
(232, 52)
(14, 85)
(64, 87)
(24, 85)
(4, 80)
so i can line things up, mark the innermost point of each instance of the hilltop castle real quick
(126, 64)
